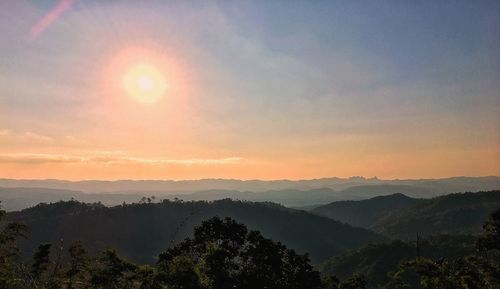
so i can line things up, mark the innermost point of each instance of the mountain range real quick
(20, 194)
(437, 186)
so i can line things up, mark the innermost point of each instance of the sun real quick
(145, 83)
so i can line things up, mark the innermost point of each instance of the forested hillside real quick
(375, 261)
(140, 231)
(15, 199)
(364, 213)
(461, 213)
(225, 254)
(222, 254)
(399, 216)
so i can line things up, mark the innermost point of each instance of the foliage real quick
(460, 213)
(491, 238)
(124, 227)
(376, 260)
(399, 216)
(478, 270)
(10, 270)
(364, 213)
(227, 255)
(440, 262)
(224, 254)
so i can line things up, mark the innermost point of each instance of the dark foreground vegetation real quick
(221, 254)
(224, 254)
(140, 231)
(374, 261)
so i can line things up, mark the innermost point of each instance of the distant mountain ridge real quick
(370, 191)
(21, 198)
(16, 198)
(438, 186)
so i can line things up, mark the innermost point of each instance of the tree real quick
(224, 254)
(354, 282)
(113, 272)
(491, 238)
(479, 270)
(78, 265)
(40, 265)
(11, 270)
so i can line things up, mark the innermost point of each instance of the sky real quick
(250, 89)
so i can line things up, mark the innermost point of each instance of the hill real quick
(14, 199)
(312, 197)
(21, 198)
(140, 231)
(460, 213)
(18, 198)
(369, 191)
(399, 216)
(290, 198)
(376, 261)
(20, 194)
(364, 213)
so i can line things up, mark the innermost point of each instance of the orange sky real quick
(248, 93)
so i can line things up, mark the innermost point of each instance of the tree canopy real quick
(224, 254)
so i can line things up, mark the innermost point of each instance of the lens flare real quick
(49, 18)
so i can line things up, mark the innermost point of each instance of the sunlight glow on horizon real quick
(176, 89)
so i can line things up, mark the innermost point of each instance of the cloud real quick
(27, 158)
(9, 136)
(19, 139)
(38, 158)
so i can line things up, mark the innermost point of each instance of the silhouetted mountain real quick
(451, 214)
(285, 197)
(400, 216)
(140, 231)
(302, 193)
(314, 197)
(14, 199)
(438, 186)
(186, 186)
(369, 191)
(20, 198)
(364, 213)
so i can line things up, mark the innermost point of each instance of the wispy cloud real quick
(28, 158)
(7, 135)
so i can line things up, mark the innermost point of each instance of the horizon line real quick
(250, 179)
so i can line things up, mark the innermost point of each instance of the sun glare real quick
(145, 83)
